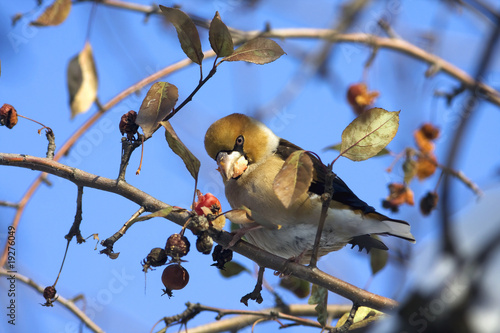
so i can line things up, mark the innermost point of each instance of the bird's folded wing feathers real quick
(341, 192)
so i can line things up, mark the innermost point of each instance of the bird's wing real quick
(341, 192)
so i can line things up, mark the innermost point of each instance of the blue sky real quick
(33, 79)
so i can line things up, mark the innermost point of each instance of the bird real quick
(249, 156)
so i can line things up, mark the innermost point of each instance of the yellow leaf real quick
(55, 14)
(82, 81)
(369, 133)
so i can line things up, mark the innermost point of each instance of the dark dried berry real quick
(389, 205)
(221, 256)
(360, 98)
(199, 224)
(157, 257)
(177, 246)
(8, 116)
(204, 243)
(49, 292)
(174, 277)
(428, 203)
(128, 125)
(430, 131)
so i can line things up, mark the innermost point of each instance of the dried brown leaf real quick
(294, 178)
(186, 32)
(258, 51)
(55, 14)
(240, 216)
(426, 166)
(178, 147)
(82, 81)
(159, 101)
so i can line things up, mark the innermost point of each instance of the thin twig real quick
(68, 304)
(128, 148)
(75, 227)
(51, 147)
(87, 125)
(245, 318)
(110, 241)
(9, 204)
(326, 198)
(151, 204)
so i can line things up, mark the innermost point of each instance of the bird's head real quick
(237, 141)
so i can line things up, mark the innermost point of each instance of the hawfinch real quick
(250, 155)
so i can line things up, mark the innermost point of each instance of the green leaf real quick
(294, 178)
(369, 133)
(55, 14)
(159, 213)
(159, 101)
(378, 259)
(338, 146)
(220, 38)
(232, 268)
(82, 81)
(319, 296)
(301, 288)
(258, 51)
(186, 32)
(191, 162)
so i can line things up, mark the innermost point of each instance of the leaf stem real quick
(190, 97)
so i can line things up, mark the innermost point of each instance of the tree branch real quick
(87, 125)
(68, 304)
(151, 204)
(246, 318)
(396, 44)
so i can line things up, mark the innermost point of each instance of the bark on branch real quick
(261, 257)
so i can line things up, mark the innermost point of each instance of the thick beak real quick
(231, 165)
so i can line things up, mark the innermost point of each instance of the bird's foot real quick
(285, 271)
(255, 294)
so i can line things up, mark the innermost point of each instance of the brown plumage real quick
(238, 140)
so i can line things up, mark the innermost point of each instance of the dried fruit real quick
(157, 257)
(49, 293)
(399, 195)
(177, 246)
(423, 143)
(430, 131)
(428, 203)
(128, 125)
(424, 137)
(8, 116)
(221, 256)
(426, 166)
(360, 98)
(204, 243)
(174, 277)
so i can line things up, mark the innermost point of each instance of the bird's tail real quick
(399, 228)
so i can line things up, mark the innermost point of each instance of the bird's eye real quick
(240, 140)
